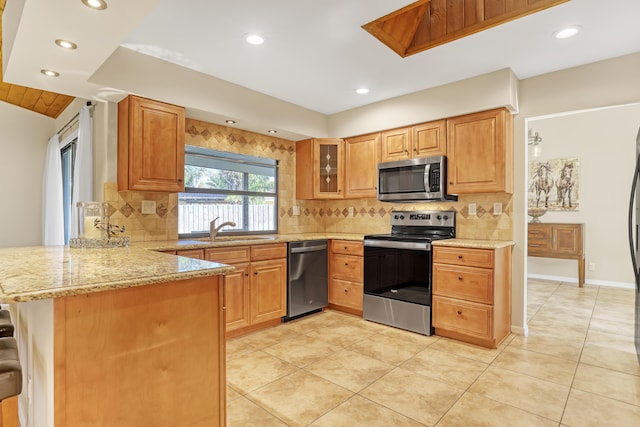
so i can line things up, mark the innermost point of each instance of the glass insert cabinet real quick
(320, 168)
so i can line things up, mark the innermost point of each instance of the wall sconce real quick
(535, 143)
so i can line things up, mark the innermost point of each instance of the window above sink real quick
(229, 186)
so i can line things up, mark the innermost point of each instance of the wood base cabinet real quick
(150, 145)
(346, 272)
(255, 294)
(558, 240)
(472, 294)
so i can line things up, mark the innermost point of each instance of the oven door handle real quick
(424, 246)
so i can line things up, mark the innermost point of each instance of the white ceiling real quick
(315, 55)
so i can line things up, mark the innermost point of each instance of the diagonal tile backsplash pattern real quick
(369, 215)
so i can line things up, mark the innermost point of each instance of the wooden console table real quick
(558, 240)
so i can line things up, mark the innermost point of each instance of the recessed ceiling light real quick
(95, 4)
(231, 122)
(49, 73)
(565, 33)
(272, 131)
(254, 39)
(362, 91)
(66, 44)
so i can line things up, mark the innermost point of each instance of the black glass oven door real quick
(401, 274)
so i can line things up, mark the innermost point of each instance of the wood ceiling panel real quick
(442, 21)
(48, 103)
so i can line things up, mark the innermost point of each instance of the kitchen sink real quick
(234, 238)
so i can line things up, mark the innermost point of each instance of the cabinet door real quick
(567, 239)
(395, 145)
(430, 139)
(150, 145)
(479, 151)
(268, 290)
(328, 169)
(362, 155)
(236, 294)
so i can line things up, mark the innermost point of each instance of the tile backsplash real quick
(369, 215)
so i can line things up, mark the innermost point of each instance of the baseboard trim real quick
(520, 330)
(565, 279)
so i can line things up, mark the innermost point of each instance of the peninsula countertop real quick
(41, 272)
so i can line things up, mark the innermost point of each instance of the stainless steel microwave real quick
(414, 180)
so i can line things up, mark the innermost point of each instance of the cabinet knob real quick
(459, 277)
(345, 248)
(450, 182)
(246, 274)
(459, 256)
(346, 291)
(346, 264)
(459, 312)
(179, 179)
(256, 273)
(415, 150)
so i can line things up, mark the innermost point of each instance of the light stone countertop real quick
(222, 241)
(41, 272)
(472, 243)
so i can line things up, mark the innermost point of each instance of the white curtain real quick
(83, 168)
(52, 204)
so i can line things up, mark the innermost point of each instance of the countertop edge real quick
(473, 243)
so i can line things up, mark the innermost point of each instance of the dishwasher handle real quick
(301, 250)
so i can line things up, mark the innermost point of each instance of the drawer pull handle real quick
(459, 312)
(459, 277)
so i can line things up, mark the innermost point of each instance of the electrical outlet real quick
(148, 207)
(296, 211)
(497, 208)
(351, 211)
(592, 266)
(472, 208)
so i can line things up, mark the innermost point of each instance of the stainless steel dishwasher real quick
(307, 287)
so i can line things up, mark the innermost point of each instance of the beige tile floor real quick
(576, 367)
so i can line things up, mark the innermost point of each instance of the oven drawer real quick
(463, 256)
(469, 283)
(347, 247)
(346, 294)
(463, 317)
(347, 267)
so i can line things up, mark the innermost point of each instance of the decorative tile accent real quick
(480, 211)
(126, 210)
(345, 212)
(161, 210)
(382, 212)
(206, 134)
(321, 212)
(191, 130)
(290, 212)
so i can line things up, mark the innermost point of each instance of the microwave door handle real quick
(427, 178)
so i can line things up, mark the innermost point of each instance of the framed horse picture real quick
(554, 184)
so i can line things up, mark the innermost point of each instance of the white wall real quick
(601, 84)
(23, 141)
(604, 142)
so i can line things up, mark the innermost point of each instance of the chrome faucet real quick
(213, 230)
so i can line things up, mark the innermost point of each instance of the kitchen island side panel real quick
(149, 355)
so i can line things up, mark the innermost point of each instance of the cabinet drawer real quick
(348, 267)
(273, 251)
(462, 317)
(346, 294)
(539, 247)
(463, 256)
(538, 232)
(347, 247)
(191, 253)
(228, 255)
(472, 284)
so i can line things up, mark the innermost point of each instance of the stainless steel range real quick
(397, 269)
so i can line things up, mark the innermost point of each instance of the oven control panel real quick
(424, 218)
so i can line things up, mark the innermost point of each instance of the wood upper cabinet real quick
(427, 139)
(150, 145)
(480, 153)
(362, 155)
(320, 169)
